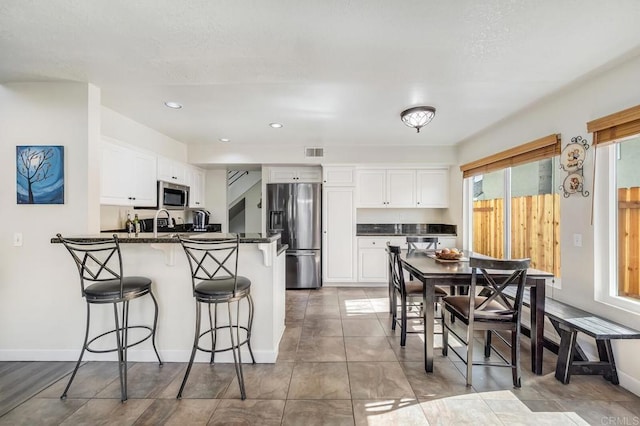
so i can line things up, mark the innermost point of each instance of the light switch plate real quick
(577, 240)
(17, 239)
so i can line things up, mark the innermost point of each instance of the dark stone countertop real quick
(172, 238)
(405, 229)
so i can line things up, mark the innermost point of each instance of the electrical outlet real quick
(17, 239)
(577, 240)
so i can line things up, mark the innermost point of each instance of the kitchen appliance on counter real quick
(295, 210)
(200, 220)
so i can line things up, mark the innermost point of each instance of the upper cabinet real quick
(127, 176)
(402, 188)
(172, 171)
(386, 188)
(295, 174)
(338, 176)
(432, 188)
(196, 183)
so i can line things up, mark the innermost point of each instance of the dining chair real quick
(417, 242)
(408, 291)
(489, 311)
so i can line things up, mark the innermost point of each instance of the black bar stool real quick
(214, 280)
(102, 281)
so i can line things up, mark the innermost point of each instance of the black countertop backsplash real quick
(401, 229)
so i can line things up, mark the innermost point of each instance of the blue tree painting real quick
(40, 174)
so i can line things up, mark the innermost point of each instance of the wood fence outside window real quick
(535, 229)
(629, 242)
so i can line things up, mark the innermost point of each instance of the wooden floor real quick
(339, 363)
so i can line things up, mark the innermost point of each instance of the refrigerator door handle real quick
(302, 253)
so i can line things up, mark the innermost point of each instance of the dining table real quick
(432, 272)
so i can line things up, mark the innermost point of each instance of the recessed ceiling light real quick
(224, 140)
(174, 105)
(275, 125)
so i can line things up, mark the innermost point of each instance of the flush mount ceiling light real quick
(418, 117)
(173, 105)
(224, 140)
(275, 125)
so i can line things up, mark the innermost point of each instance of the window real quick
(627, 224)
(515, 204)
(617, 208)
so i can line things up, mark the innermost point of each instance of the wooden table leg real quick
(428, 301)
(537, 325)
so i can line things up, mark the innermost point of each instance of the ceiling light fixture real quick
(173, 105)
(275, 125)
(418, 117)
(224, 140)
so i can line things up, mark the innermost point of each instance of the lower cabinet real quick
(373, 263)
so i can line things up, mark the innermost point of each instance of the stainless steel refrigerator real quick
(295, 210)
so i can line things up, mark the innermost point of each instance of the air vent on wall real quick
(314, 152)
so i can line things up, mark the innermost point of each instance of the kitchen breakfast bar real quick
(161, 258)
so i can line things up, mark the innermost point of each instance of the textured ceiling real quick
(333, 72)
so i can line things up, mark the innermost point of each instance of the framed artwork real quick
(40, 174)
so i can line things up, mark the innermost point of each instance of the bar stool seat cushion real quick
(494, 311)
(110, 289)
(222, 287)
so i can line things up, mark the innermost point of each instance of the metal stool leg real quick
(84, 347)
(193, 351)
(155, 325)
(236, 356)
(119, 337)
(250, 325)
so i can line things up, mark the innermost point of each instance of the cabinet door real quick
(309, 175)
(373, 264)
(338, 176)
(401, 188)
(196, 182)
(143, 183)
(371, 188)
(171, 171)
(283, 175)
(115, 167)
(433, 188)
(448, 242)
(338, 235)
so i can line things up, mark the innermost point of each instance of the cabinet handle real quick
(374, 243)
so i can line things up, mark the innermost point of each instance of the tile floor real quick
(339, 364)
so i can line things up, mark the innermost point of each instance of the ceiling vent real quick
(314, 152)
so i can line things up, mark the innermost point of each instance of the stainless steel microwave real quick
(172, 196)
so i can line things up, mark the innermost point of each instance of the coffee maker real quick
(200, 220)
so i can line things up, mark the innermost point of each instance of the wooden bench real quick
(568, 321)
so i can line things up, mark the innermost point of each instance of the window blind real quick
(615, 126)
(546, 147)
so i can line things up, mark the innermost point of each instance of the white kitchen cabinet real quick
(432, 188)
(338, 237)
(196, 183)
(373, 261)
(127, 176)
(338, 176)
(295, 175)
(172, 171)
(448, 242)
(393, 188)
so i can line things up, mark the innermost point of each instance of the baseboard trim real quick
(140, 355)
(629, 383)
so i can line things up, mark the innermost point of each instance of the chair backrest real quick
(212, 260)
(396, 274)
(427, 243)
(96, 261)
(496, 276)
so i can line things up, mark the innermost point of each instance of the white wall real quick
(567, 113)
(39, 293)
